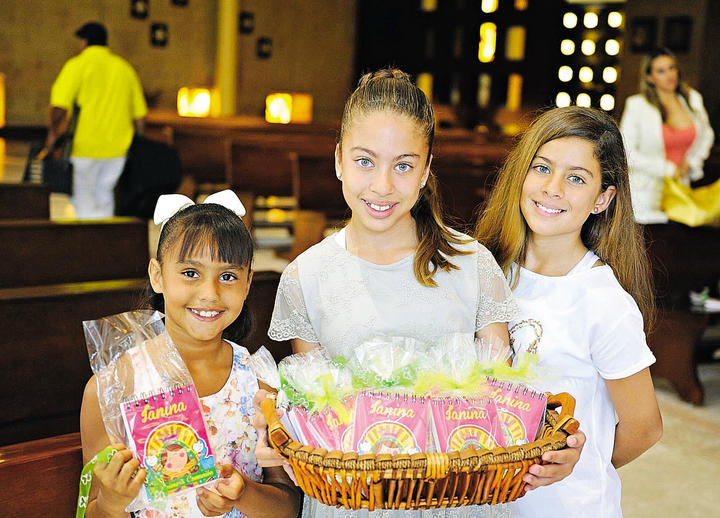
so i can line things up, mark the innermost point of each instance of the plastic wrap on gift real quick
(148, 401)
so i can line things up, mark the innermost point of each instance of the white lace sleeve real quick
(496, 302)
(290, 317)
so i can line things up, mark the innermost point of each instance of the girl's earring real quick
(338, 174)
(595, 210)
(422, 185)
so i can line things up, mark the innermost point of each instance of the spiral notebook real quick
(170, 440)
(521, 411)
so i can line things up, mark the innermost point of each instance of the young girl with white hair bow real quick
(199, 280)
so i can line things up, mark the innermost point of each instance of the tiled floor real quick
(678, 477)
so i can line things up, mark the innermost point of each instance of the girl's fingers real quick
(213, 503)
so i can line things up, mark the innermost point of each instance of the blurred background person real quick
(112, 106)
(666, 131)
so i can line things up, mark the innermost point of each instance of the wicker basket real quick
(422, 480)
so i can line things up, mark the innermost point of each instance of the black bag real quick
(56, 173)
(152, 168)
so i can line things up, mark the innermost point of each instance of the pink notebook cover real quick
(521, 411)
(459, 423)
(333, 431)
(390, 423)
(170, 440)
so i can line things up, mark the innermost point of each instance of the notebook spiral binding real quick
(516, 387)
(145, 397)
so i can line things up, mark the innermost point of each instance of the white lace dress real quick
(331, 297)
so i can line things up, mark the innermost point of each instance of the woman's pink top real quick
(677, 142)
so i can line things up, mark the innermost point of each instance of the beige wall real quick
(313, 50)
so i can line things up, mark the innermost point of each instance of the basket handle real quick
(566, 421)
(277, 434)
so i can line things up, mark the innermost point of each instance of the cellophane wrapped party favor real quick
(149, 402)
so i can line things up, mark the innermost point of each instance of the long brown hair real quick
(648, 89)
(392, 89)
(612, 234)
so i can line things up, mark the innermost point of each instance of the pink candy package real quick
(521, 411)
(459, 423)
(390, 424)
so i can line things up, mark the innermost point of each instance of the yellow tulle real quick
(693, 207)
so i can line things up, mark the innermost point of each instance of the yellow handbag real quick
(693, 207)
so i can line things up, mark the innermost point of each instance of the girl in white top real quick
(560, 224)
(395, 269)
(665, 106)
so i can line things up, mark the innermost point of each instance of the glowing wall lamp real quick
(590, 20)
(193, 102)
(583, 100)
(610, 74)
(486, 47)
(570, 20)
(615, 19)
(489, 6)
(588, 47)
(567, 47)
(612, 47)
(288, 107)
(585, 74)
(565, 73)
(562, 99)
(607, 102)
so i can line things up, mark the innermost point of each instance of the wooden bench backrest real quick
(263, 171)
(24, 200)
(45, 252)
(317, 188)
(41, 478)
(45, 353)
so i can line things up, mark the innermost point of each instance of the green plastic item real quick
(86, 478)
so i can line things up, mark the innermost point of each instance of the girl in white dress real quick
(560, 224)
(395, 269)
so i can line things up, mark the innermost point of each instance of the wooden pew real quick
(53, 252)
(261, 301)
(683, 259)
(263, 171)
(41, 478)
(464, 186)
(43, 348)
(204, 156)
(24, 200)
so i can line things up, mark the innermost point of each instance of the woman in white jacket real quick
(666, 131)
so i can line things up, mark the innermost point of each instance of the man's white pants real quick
(94, 180)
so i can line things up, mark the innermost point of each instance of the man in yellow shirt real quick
(107, 90)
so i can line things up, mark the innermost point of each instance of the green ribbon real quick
(86, 478)
(471, 385)
(330, 395)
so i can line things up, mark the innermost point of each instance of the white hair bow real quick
(170, 204)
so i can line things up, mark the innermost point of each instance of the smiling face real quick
(382, 163)
(202, 296)
(664, 73)
(562, 188)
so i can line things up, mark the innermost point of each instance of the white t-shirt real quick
(331, 297)
(586, 329)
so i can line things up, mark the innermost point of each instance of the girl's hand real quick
(228, 491)
(266, 456)
(561, 463)
(119, 481)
